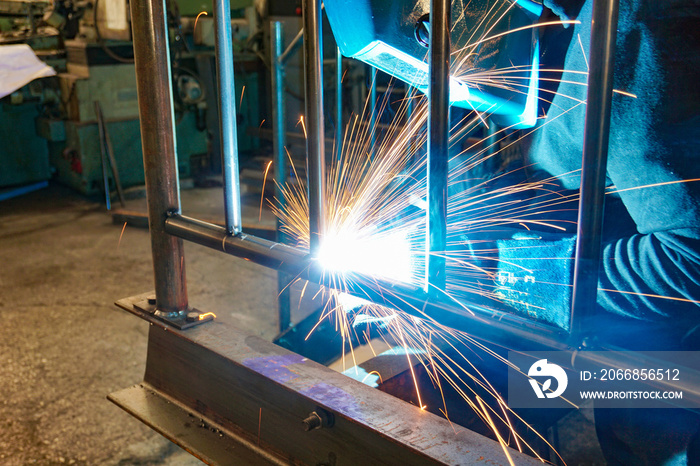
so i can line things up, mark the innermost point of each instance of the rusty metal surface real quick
(248, 385)
(153, 78)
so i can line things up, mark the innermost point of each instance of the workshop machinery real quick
(50, 125)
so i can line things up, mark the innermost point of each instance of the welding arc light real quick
(381, 255)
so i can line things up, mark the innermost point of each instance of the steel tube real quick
(279, 135)
(315, 149)
(594, 163)
(267, 253)
(372, 111)
(152, 61)
(410, 95)
(227, 115)
(339, 105)
(280, 161)
(487, 324)
(438, 127)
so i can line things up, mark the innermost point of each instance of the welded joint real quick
(181, 320)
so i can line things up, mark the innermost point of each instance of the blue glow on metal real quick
(382, 33)
(533, 7)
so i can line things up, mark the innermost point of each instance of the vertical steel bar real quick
(315, 156)
(410, 94)
(227, 114)
(372, 110)
(491, 139)
(438, 126)
(339, 106)
(594, 163)
(152, 59)
(280, 161)
(410, 108)
(278, 107)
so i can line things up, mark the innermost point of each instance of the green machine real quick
(24, 157)
(50, 127)
(75, 154)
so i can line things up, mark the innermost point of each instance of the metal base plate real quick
(180, 320)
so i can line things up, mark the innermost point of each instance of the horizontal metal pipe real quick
(502, 329)
(411, 299)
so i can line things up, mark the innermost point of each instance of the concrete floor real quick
(64, 345)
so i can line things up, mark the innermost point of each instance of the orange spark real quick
(194, 29)
(120, 236)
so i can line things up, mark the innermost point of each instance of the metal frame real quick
(169, 227)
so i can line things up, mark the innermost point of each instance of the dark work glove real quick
(527, 271)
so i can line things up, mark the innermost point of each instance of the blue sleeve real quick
(653, 277)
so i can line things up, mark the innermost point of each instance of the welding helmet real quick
(494, 49)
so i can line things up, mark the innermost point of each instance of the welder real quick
(649, 282)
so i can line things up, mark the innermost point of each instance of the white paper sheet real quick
(19, 66)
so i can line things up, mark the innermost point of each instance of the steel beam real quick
(152, 61)
(257, 395)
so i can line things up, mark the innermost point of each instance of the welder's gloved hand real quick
(530, 272)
